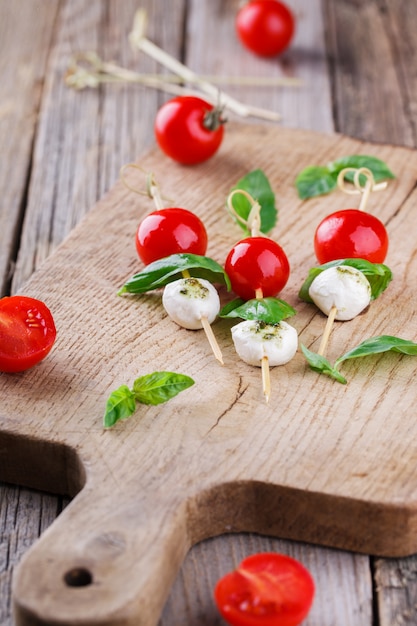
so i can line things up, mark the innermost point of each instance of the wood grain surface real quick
(357, 62)
(322, 462)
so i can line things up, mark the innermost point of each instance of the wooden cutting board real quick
(323, 462)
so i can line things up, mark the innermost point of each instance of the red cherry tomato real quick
(257, 263)
(170, 231)
(267, 589)
(189, 129)
(27, 333)
(351, 233)
(265, 27)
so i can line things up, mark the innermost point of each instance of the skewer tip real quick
(212, 340)
(266, 380)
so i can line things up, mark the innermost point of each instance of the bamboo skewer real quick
(327, 330)
(266, 378)
(139, 40)
(212, 340)
(98, 71)
(208, 330)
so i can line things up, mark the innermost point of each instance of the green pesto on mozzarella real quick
(188, 300)
(343, 287)
(254, 340)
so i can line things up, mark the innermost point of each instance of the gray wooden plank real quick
(26, 30)
(369, 76)
(24, 515)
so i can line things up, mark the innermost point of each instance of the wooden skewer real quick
(266, 379)
(208, 330)
(212, 339)
(365, 190)
(101, 71)
(327, 330)
(139, 40)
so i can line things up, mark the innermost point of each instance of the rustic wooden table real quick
(62, 150)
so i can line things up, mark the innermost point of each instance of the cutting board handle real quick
(109, 559)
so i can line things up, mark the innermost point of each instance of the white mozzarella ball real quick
(343, 287)
(187, 300)
(255, 339)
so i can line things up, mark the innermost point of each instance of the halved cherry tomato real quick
(267, 589)
(27, 333)
(257, 263)
(189, 129)
(265, 27)
(170, 231)
(351, 233)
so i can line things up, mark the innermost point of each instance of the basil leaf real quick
(170, 268)
(315, 181)
(318, 180)
(160, 386)
(257, 185)
(120, 405)
(320, 364)
(379, 169)
(377, 345)
(269, 310)
(149, 389)
(378, 275)
(228, 308)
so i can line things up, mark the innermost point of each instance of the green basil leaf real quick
(269, 310)
(229, 307)
(320, 364)
(166, 270)
(159, 387)
(315, 181)
(319, 180)
(379, 169)
(378, 275)
(120, 405)
(257, 185)
(377, 345)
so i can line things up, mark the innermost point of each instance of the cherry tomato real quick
(189, 129)
(267, 589)
(265, 27)
(170, 231)
(257, 263)
(351, 233)
(27, 333)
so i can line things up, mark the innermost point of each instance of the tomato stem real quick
(213, 119)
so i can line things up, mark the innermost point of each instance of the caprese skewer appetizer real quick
(341, 290)
(353, 233)
(191, 302)
(258, 270)
(189, 297)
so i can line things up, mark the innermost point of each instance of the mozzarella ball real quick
(343, 287)
(254, 339)
(187, 300)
